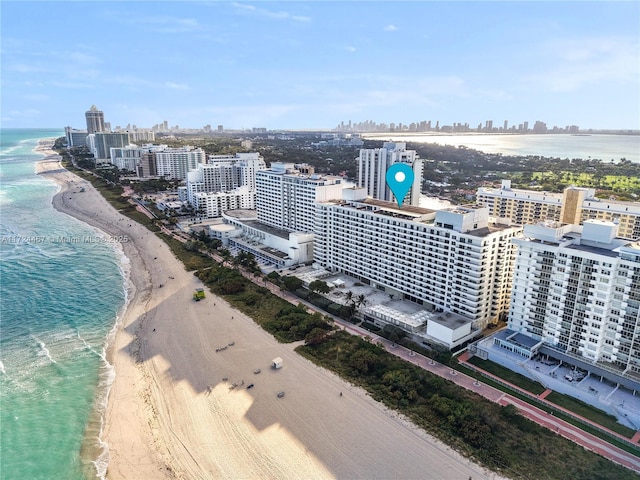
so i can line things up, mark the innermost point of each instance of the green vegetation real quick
(508, 375)
(620, 186)
(587, 411)
(497, 436)
(285, 322)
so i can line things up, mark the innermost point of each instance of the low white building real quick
(269, 245)
(213, 204)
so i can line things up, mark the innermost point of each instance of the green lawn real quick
(508, 375)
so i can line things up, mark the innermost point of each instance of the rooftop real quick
(278, 232)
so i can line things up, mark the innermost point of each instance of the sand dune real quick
(171, 414)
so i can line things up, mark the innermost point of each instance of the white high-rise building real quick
(450, 260)
(372, 169)
(214, 204)
(175, 163)
(224, 176)
(286, 198)
(577, 290)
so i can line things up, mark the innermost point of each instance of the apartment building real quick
(451, 260)
(286, 198)
(372, 169)
(226, 182)
(175, 163)
(574, 205)
(576, 289)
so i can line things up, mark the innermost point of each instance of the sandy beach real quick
(172, 414)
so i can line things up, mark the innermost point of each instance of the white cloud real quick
(165, 24)
(571, 64)
(24, 68)
(82, 58)
(390, 28)
(350, 49)
(282, 15)
(36, 97)
(177, 86)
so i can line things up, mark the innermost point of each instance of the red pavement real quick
(544, 394)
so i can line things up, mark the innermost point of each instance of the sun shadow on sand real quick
(182, 336)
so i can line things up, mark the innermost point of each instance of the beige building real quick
(575, 206)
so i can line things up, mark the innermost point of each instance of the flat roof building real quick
(577, 290)
(574, 205)
(452, 260)
(286, 198)
(372, 169)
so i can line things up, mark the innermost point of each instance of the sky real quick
(310, 65)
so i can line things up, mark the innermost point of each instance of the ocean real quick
(58, 308)
(602, 147)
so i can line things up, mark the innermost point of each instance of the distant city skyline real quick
(308, 65)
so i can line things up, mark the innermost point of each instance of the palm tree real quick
(361, 301)
(349, 296)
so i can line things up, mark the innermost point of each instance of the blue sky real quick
(301, 65)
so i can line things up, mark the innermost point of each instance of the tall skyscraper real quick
(372, 168)
(95, 120)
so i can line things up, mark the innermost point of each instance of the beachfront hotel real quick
(452, 260)
(279, 231)
(575, 205)
(576, 291)
(100, 144)
(286, 195)
(226, 182)
(373, 164)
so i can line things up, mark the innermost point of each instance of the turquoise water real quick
(58, 303)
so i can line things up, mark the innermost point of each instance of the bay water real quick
(59, 304)
(597, 146)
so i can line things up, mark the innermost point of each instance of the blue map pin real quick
(400, 179)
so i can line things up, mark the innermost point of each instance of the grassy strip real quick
(587, 411)
(496, 436)
(508, 375)
(557, 413)
(576, 406)
(192, 260)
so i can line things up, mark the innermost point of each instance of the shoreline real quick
(170, 414)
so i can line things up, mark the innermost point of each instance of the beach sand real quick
(170, 414)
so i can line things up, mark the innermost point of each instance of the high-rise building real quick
(75, 138)
(95, 120)
(232, 176)
(574, 205)
(286, 198)
(175, 163)
(372, 168)
(101, 144)
(451, 260)
(576, 289)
